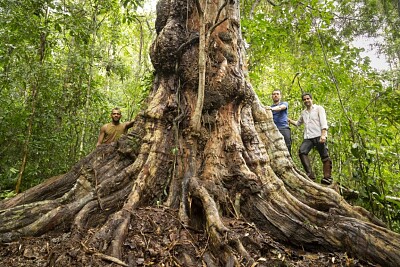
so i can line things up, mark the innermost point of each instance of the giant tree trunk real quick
(232, 165)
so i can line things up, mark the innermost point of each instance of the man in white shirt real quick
(315, 133)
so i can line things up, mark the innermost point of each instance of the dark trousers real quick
(308, 144)
(288, 139)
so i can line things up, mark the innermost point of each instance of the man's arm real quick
(129, 124)
(276, 108)
(279, 108)
(296, 123)
(324, 124)
(101, 135)
(324, 133)
(322, 118)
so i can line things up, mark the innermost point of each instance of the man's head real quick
(276, 96)
(307, 99)
(116, 115)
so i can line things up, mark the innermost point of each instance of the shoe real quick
(327, 169)
(305, 161)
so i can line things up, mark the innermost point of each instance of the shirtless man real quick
(110, 132)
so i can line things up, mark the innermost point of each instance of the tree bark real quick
(235, 166)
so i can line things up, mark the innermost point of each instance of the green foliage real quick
(306, 46)
(7, 194)
(63, 66)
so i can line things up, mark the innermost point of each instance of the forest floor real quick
(157, 238)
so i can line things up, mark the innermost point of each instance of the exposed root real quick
(209, 206)
(103, 256)
(111, 234)
(39, 217)
(222, 239)
(120, 234)
(82, 218)
(53, 218)
(313, 195)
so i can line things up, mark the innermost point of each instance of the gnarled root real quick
(223, 242)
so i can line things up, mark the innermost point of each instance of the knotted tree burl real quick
(205, 146)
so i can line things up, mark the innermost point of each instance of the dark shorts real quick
(309, 144)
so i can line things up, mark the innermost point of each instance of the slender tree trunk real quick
(25, 151)
(33, 101)
(89, 85)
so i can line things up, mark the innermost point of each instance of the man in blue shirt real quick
(280, 113)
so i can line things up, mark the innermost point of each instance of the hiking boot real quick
(305, 161)
(327, 181)
(327, 169)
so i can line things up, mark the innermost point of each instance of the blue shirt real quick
(280, 116)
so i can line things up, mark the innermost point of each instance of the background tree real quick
(62, 70)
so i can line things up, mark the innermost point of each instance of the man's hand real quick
(322, 139)
(292, 122)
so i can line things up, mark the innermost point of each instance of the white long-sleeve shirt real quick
(314, 121)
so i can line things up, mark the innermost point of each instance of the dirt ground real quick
(157, 238)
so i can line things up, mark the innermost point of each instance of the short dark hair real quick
(117, 109)
(304, 94)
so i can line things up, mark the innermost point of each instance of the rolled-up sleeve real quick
(300, 121)
(322, 118)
